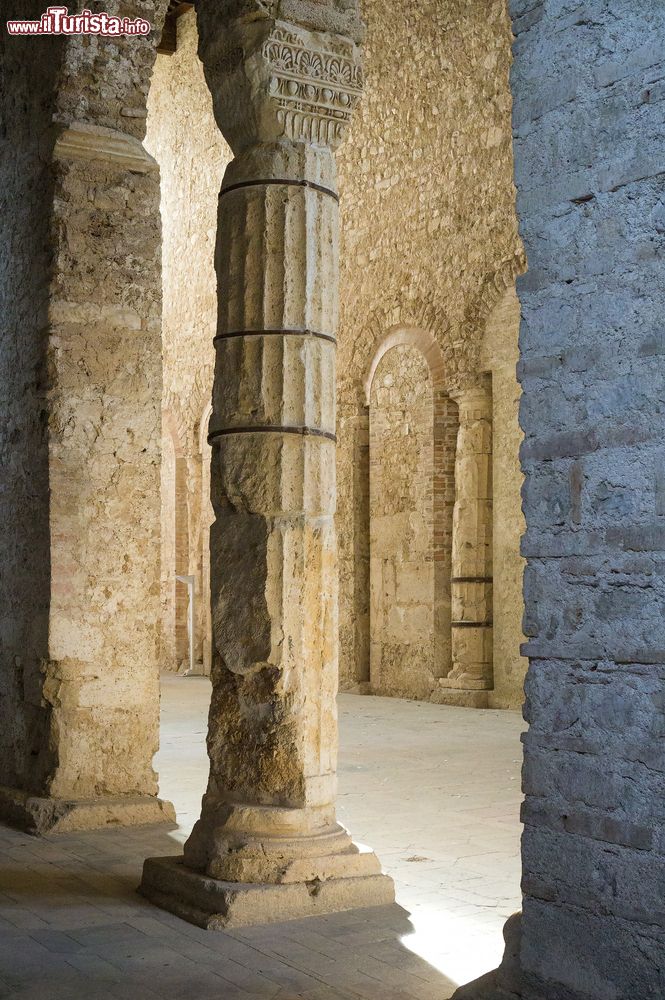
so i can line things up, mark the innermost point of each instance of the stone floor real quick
(435, 790)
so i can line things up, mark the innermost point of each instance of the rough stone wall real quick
(401, 511)
(106, 80)
(499, 356)
(590, 168)
(428, 222)
(90, 674)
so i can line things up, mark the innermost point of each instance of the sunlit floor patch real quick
(434, 790)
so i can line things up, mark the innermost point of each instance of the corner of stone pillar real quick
(504, 983)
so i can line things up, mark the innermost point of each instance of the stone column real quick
(195, 532)
(472, 671)
(267, 845)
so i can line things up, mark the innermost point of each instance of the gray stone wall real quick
(590, 169)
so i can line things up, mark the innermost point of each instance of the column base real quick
(42, 815)
(216, 905)
(459, 698)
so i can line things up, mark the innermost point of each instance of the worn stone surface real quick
(27, 91)
(267, 844)
(81, 663)
(472, 550)
(499, 357)
(402, 659)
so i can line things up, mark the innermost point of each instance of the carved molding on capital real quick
(274, 80)
(315, 89)
(474, 401)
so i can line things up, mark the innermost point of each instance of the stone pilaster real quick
(472, 548)
(267, 845)
(81, 723)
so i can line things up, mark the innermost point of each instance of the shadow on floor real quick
(73, 926)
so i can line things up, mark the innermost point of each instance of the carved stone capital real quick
(474, 401)
(273, 80)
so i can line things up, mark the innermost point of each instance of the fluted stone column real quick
(267, 845)
(472, 670)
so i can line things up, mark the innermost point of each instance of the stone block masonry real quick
(589, 110)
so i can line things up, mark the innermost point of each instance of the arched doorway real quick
(412, 431)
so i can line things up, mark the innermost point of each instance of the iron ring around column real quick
(274, 181)
(292, 332)
(272, 429)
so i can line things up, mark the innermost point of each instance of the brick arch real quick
(200, 402)
(203, 426)
(401, 336)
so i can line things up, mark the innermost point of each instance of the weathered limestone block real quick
(472, 544)
(267, 845)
